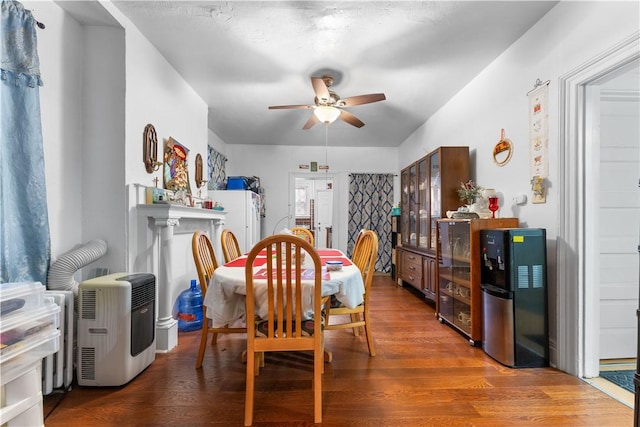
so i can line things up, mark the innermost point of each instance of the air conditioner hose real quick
(60, 277)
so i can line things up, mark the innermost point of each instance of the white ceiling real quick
(242, 56)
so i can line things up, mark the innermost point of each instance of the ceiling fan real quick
(328, 106)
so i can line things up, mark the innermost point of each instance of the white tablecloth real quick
(224, 299)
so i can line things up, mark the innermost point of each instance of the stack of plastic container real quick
(28, 332)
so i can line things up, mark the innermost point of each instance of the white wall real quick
(568, 36)
(103, 145)
(61, 112)
(274, 164)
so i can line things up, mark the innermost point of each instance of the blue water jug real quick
(190, 308)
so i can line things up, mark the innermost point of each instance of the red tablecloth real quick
(241, 262)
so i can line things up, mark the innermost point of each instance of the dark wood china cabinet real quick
(429, 190)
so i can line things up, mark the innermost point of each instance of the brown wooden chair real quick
(284, 328)
(230, 246)
(364, 256)
(303, 233)
(206, 263)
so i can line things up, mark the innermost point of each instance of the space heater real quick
(116, 328)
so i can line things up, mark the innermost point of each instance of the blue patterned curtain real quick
(24, 223)
(370, 203)
(217, 170)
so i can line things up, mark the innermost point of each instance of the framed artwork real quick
(176, 173)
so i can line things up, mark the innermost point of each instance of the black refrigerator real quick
(514, 296)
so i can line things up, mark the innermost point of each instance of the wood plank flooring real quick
(425, 374)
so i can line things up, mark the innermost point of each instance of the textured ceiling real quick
(243, 56)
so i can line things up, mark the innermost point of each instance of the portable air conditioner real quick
(116, 328)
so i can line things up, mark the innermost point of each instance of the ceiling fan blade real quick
(287, 107)
(312, 121)
(346, 116)
(320, 88)
(362, 99)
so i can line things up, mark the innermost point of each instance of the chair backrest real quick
(303, 233)
(230, 246)
(204, 257)
(365, 254)
(284, 278)
(358, 237)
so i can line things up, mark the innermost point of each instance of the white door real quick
(324, 218)
(619, 216)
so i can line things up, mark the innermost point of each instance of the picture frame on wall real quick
(175, 171)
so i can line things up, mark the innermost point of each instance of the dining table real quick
(225, 296)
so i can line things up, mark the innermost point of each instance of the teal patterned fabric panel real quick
(216, 170)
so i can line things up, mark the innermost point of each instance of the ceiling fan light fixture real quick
(326, 114)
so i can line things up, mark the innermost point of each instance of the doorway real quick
(581, 200)
(313, 197)
(613, 167)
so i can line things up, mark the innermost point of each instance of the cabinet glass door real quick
(435, 196)
(445, 273)
(454, 279)
(404, 207)
(413, 207)
(423, 203)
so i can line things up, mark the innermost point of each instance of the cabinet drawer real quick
(411, 268)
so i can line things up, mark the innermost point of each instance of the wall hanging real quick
(176, 174)
(539, 139)
(503, 150)
(200, 182)
(150, 149)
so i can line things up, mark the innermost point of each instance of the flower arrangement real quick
(469, 192)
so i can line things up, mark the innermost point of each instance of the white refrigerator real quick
(243, 215)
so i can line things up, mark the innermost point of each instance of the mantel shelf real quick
(168, 210)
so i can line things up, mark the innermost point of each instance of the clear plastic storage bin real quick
(29, 332)
(17, 298)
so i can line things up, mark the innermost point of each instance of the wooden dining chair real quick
(230, 246)
(284, 328)
(206, 263)
(364, 257)
(304, 233)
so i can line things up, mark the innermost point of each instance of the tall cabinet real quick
(428, 189)
(459, 301)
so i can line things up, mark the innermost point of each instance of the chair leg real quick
(259, 362)
(354, 318)
(203, 345)
(248, 399)
(368, 334)
(318, 368)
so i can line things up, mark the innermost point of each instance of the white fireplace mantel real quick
(164, 221)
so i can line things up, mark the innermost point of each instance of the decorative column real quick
(166, 325)
(165, 221)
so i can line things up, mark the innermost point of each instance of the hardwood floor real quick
(425, 374)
